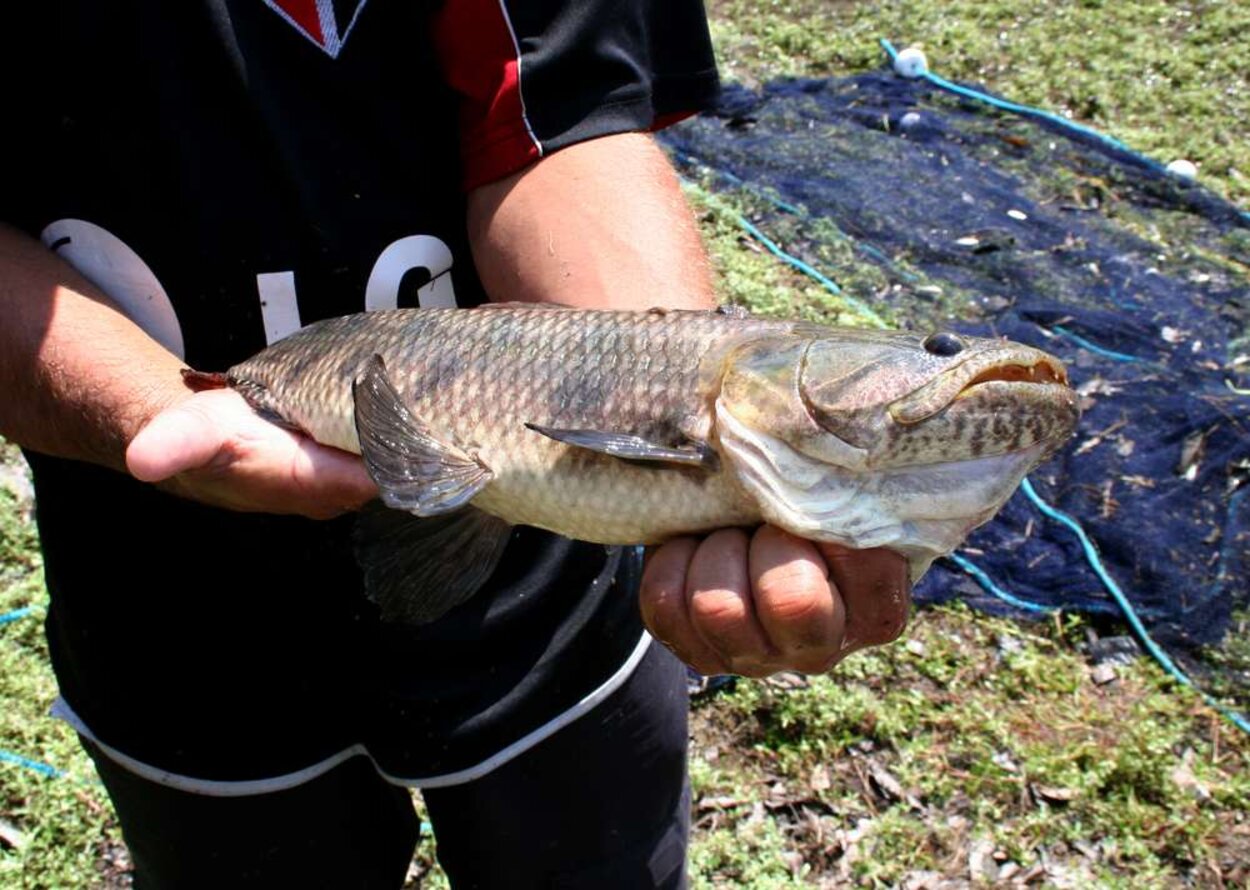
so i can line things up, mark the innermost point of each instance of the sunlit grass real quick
(1168, 78)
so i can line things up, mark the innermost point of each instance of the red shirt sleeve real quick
(533, 77)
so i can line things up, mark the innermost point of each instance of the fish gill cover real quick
(961, 216)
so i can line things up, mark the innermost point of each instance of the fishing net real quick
(936, 211)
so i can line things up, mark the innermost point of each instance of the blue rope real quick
(795, 210)
(35, 765)
(792, 209)
(9, 756)
(884, 260)
(826, 282)
(741, 183)
(1134, 622)
(1029, 110)
(1094, 347)
(860, 306)
(16, 614)
(979, 575)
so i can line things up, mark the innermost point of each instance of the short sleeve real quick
(534, 77)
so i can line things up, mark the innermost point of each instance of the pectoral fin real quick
(629, 447)
(416, 569)
(415, 469)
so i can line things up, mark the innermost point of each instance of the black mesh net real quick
(960, 215)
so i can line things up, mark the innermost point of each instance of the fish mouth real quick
(1042, 380)
(1045, 370)
(1033, 370)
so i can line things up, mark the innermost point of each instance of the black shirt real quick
(228, 170)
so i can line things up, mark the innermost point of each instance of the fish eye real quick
(943, 343)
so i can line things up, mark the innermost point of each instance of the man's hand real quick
(212, 447)
(734, 603)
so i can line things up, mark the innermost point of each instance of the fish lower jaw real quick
(921, 511)
(922, 500)
(921, 540)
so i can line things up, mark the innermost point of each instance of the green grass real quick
(1168, 78)
(989, 730)
(749, 275)
(1167, 81)
(63, 822)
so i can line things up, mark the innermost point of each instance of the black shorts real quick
(602, 803)
(235, 652)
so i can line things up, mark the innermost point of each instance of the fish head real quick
(890, 439)
(906, 399)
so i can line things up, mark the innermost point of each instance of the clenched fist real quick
(756, 604)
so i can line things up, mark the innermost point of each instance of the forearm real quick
(81, 377)
(601, 224)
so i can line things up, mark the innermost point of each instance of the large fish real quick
(634, 427)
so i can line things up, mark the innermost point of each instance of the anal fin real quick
(417, 569)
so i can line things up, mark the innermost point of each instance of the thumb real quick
(179, 438)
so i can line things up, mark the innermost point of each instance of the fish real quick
(635, 427)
